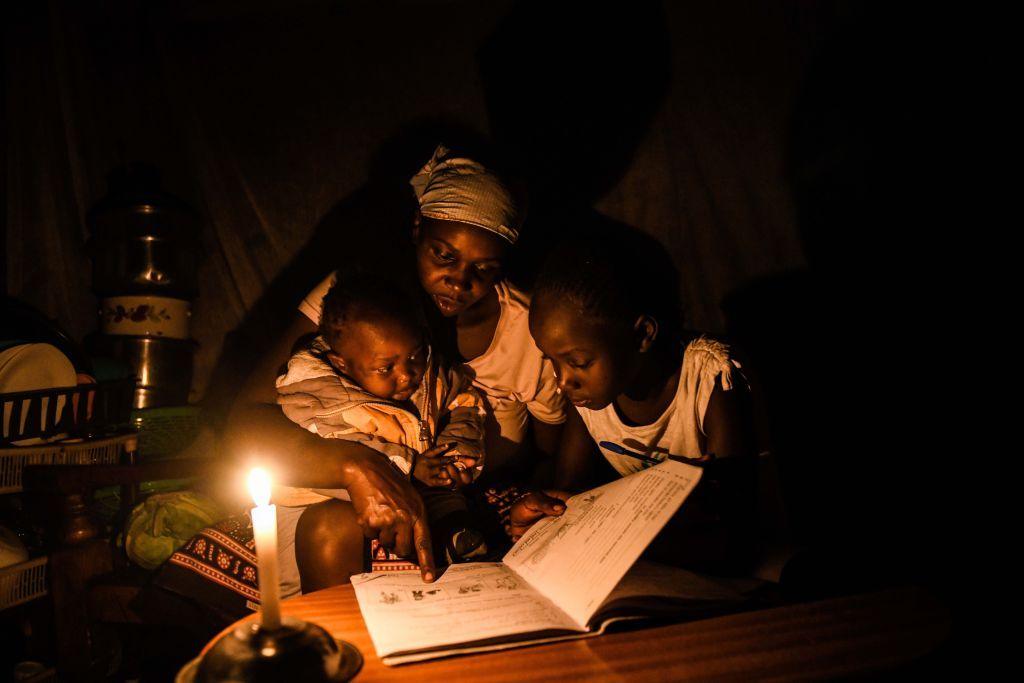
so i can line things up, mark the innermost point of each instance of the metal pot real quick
(163, 366)
(143, 240)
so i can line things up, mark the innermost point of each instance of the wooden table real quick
(824, 639)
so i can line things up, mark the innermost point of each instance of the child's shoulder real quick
(711, 359)
(710, 349)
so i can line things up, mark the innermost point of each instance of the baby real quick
(370, 377)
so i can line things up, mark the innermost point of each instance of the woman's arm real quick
(258, 432)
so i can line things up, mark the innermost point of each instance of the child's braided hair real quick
(615, 276)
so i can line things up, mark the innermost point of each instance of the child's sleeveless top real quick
(680, 429)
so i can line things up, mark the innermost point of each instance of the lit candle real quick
(264, 527)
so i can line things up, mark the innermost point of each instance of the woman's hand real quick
(532, 507)
(389, 508)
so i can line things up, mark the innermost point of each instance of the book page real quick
(468, 603)
(577, 559)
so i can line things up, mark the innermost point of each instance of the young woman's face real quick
(458, 263)
(593, 360)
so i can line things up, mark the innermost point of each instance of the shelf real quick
(104, 451)
(22, 582)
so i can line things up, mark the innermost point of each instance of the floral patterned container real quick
(152, 316)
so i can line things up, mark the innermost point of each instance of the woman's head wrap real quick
(453, 188)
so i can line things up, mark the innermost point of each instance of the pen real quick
(616, 448)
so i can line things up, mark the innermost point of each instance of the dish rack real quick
(84, 410)
(91, 422)
(103, 451)
(23, 582)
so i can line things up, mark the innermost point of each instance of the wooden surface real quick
(824, 639)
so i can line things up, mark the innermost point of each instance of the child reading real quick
(645, 390)
(370, 376)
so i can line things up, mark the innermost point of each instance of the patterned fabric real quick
(383, 560)
(500, 500)
(217, 568)
(453, 188)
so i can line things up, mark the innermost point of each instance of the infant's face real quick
(385, 357)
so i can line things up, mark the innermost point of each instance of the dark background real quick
(786, 154)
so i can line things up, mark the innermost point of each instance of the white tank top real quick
(680, 429)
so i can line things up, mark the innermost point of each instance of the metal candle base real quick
(299, 651)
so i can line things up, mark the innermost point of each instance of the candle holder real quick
(298, 650)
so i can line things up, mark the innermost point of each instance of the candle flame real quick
(259, 486)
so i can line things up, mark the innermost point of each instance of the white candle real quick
(264, 527)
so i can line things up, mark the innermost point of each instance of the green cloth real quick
(164, 522)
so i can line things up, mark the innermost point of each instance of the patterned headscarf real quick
(454, 188)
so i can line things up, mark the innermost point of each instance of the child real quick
(607, 316)
(370, 377)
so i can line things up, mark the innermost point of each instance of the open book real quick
(567, 577)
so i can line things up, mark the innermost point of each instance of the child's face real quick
(458, 263)
(594, 360)
(385, 357)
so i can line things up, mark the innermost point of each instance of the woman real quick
(466, 224)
